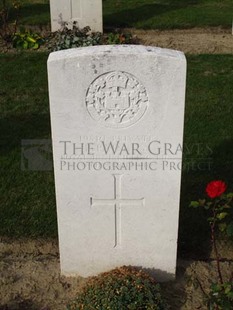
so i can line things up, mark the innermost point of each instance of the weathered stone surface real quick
(117, 125)
(84, 12)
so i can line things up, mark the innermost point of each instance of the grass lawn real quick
(147, 14)
(167, 14)
(27, 200)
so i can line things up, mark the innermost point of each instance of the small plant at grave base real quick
(122, 288)
(76, 37)
(26, 40)
(220, 220)
(118, 38)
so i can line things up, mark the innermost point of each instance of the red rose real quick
(215, 188)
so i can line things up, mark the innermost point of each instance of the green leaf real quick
(227, 289)
(25, 44)
(30, 39)
(222, 226)
(222, 215)
(35, 46)
(194, 204)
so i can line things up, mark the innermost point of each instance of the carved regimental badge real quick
(116, 99)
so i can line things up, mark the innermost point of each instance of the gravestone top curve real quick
(115, 49)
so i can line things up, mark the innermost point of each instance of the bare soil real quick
(190, 41)
(30, 278)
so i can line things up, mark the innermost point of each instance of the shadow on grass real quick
(194, 232)
(130, 16)
(27, 197)
(223, 159)
(27, 126)
(194, 235)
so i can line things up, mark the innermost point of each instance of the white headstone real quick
(84, 12)
(117, 125)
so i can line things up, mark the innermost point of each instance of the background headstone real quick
(84, 12)
(117, 125)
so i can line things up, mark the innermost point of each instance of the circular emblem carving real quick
(116, 99)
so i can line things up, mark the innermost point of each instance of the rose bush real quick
(220, 216)
(215, 188)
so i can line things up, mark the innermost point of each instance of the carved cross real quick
(117, 202)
